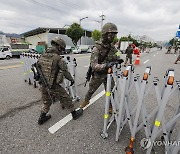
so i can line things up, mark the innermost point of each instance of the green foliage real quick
(124, 38)
(115, 40)
(171, 41)
(96, 35)
(75, 32)
(130, 39)
(174, 42)
(1, 32)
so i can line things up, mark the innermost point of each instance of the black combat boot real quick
(77, 114)
(43, 118)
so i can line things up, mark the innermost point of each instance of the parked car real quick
(32, 51)
(5, 52)
(90, 48)
(68, 49)
(76, 50)
(83, 48)
(80, 49)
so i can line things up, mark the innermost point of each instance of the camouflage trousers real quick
(56, 92)
(95, 83)
(178, 59)
(128, 57)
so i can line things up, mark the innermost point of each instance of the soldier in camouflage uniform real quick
(169, 50)
(129, 52)
(103, 57)
(54, 69)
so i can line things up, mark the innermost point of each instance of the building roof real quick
(40, 30)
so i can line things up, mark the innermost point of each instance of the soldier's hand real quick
(72, 82)
(108, 65)
(120, 61)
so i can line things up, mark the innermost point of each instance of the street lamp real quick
(66, 26)
(82, 19)
(80, 25)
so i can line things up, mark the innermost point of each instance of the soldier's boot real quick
(43, 118)
(84, 103)
(77, 114)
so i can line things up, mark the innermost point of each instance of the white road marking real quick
(68, 118)
(86, 66)
(9, 62)
(10, 66)
(154, 55)
(146, 61)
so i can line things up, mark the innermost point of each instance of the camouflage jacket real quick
(129, 50)
(101, 55)
(54, 67)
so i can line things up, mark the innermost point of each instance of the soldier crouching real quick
(54, 69)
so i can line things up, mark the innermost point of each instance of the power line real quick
(49, 7)
(15, 24)
(70, 4)
(55, 9)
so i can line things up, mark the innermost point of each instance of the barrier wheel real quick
(104, 135)
(77, 98)
(29, 82)
(162, 138)
(129, 150)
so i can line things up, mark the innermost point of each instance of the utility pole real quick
(80, 25)
(102, 18)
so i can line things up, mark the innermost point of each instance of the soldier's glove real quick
(109, 65)
(72, 82)
(120, 61)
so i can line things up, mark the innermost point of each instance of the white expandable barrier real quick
(28, 59)
(134, 112)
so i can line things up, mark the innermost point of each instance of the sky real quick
(158, 19)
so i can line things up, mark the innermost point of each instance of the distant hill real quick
(10, 34)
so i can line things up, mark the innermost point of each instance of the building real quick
(7, 39)
(143, 38)
(3, 40)
(41, 37)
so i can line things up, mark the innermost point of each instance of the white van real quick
(80, 49)
(5, 52)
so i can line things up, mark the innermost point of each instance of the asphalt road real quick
(20, 108)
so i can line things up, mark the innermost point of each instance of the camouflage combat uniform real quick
(102, 58)
(99, 59)
(169, 50)
(129, 52)
(178, 59)
(54, 69)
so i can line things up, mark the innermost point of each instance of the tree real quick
(115, 40)
(96, 35)
(1, 32)
(174, 41)
(75, 32)
(129, 39)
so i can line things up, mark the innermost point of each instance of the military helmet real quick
(109, 28)
(59, 41)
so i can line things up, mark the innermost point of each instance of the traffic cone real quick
(137, 61)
